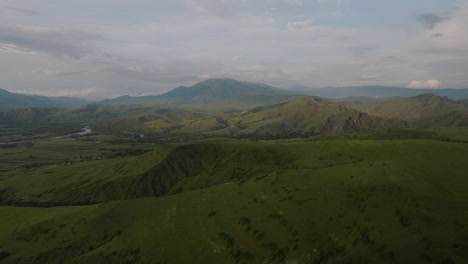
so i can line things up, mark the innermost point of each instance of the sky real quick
(98, 49)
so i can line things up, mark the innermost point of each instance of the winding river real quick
(84, 131)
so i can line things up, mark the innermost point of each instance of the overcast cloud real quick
(106, 48)
(430, 21)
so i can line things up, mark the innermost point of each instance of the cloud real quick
(360, 50)
(430, 21)
(50, 40)
(338, 13)
(294, 2)
(83, 93)
(174, 71)
(258, 73)
(327, 1)
(6, 47)
(299, 25)
(432, 84)
(215, 7)
(17, 10)
(58, 73)
(450, 39)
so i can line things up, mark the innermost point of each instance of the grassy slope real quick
(35, 172)
(340, 201)
(303, 116)
(426, 109)
(151, 118)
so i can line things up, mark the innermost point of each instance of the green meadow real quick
(395, 196)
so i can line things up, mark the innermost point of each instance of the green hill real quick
(28, 114)
(304, 116)
(425, 109)
(232, 201)
(301, 117)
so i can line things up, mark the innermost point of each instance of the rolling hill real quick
(14, 100)
(201, 113)
(422, 110)
(28, 114)
(233, 201)
(300, 117)
(303, 116)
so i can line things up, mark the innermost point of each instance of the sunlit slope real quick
(341, 201)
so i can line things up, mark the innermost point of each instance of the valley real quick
(300, 180)
(234, 132)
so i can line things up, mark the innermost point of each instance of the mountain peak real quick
(426, 95)
(227, 90)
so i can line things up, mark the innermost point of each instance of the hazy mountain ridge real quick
(10, 100)
(218, 91)
(378, 92)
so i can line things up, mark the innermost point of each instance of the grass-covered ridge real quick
(235, 201)
(426, 110)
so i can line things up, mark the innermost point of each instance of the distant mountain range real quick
(10, 100)
(369, 93)
(231, 92)
(217, 91)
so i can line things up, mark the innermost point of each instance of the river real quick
(84, 131)
(131, 133)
